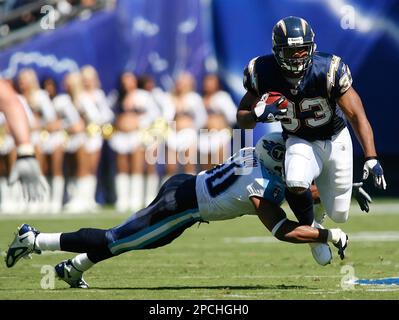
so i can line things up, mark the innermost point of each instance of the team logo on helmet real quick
(274, 150)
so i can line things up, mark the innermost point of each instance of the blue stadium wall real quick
(165, 37)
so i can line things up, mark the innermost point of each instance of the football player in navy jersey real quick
(317, 95)
(247, 183)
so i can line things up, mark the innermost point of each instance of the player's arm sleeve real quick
(250, 79)
(339, 78)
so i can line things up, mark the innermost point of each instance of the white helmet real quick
(270, 150)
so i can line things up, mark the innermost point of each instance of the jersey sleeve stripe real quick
(334, 64)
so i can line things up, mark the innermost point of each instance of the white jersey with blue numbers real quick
(224, 192)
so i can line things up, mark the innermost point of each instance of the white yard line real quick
(257, 277)
(241, 296)
(369, 236)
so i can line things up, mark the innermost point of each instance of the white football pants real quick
(330, 164)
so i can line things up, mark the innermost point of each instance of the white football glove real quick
(269, 112)
(26, 170)
(373, 165)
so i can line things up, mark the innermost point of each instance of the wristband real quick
(25, 150)
(371, 158)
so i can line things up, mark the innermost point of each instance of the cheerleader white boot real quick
(91, 186)
(57, 194)
(122, 182)
(7, 203)
(136, 192)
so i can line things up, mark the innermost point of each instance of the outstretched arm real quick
(275, 220)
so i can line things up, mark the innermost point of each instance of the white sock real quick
(82, 262)
(48, 241)
(136, 191)
(152, 186)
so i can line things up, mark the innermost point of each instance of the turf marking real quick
(369, 236)
(378, 282)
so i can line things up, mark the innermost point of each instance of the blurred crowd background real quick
(104, 81)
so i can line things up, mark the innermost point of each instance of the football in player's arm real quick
(247, 183)
(26, 169)
(319, 148)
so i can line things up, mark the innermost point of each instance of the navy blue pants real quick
(173, 210)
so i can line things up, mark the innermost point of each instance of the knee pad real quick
(339, 216)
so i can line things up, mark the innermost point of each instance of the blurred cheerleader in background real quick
(190, 116)
(47, 134)
(94, 109)
(214, 142)
(135, 112)
(73, 129)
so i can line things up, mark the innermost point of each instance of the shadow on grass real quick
(219, 287)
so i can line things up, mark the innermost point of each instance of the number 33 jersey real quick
(224, 192)
(312, 110)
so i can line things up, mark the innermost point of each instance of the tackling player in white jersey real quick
(247, 183)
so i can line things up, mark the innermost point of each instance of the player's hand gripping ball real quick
(271, 107)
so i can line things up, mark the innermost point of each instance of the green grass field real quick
(234, 259)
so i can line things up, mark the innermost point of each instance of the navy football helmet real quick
(293, 45)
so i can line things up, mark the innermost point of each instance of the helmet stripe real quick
(304, 23)
(283, 27)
